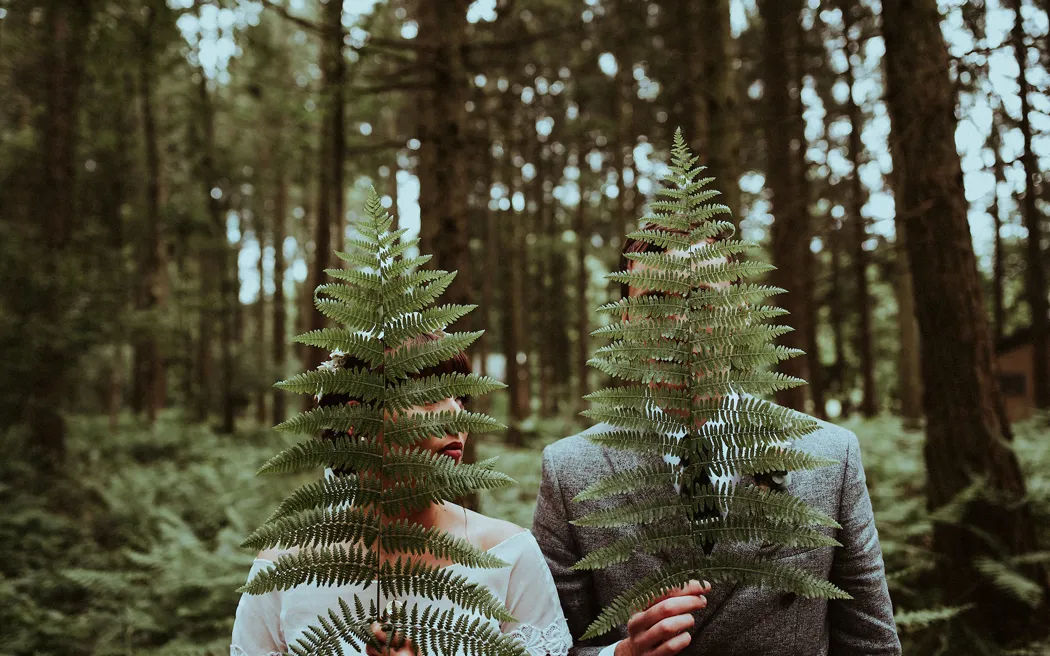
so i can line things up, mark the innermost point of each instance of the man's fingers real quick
(663, 631)
(693, 587)
(641, 622)
(672, 646)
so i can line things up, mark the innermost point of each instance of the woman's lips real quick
(453, 450)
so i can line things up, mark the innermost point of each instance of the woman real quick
(267, 624)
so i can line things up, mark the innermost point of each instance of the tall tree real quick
(967, 436)
(1035, 281)
(280, 311)
(445, 228)
(721, 105)
(861, 297)
(330, 192)
(67, 26)
(149, 387)
(790, 233)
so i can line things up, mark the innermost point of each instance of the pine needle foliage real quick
(692, 352)
(350, 529)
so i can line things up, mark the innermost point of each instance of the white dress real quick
(267, 624)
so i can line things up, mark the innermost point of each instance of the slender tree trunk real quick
(330, 165)
(908, 363)
(259, 343)
(1035, 280)
(998, 261)
(810, 264)
(583, 312)
(837, 378)
(722, 105)
(967, 435)
(862, 296)
(219, 259)
(790, 234)
(280, 311)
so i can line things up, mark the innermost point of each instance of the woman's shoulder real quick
(489, 532)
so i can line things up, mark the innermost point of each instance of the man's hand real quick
(399, 646)
(662, 629)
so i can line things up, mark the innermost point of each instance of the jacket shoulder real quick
(829, 441)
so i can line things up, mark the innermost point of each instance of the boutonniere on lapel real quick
(694, 345)
(777, 481)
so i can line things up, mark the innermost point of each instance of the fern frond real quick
(409, 326)
(356, 344)
(404, 431)
(921, 619)
(421, 391)
(317, 527)
(645, 477)
(406, 577)
(355, 382)
(413, 359)
(328, 566)
(344, 452)
(411, 538)
(1010, 581)
(692, 358)
(364, 420)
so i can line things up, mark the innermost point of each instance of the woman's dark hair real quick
(457, 364)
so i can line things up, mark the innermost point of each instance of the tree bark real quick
(999, 257)
(908, 363)
(1035, 280)
(583, 312)
(259, 342)
(219, 258)
(967, 435)
(444, 188)
(280, 311)
(330, 191)
(790, 234)
(67, 28)
(859, 233)
(720, 99)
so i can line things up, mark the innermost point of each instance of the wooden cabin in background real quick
(1015, 356)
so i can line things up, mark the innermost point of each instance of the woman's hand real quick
(399, 646)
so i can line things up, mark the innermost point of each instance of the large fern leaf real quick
(352, 530)
(692, 352)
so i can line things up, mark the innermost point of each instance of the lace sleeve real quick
(532, 598)
(257, 627)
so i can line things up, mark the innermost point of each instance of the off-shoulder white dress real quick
(267, 624)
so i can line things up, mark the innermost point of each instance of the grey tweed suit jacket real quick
(738, 620)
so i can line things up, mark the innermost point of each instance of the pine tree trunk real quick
(861, 296)
(909, 373)
(583, 311)
(967, 435)
(67, 26)
(790, 234)
(998, 261)
(218, 254)
(1035, 280)
(204, 368)
(722, 104)
(330, 165)
(837, 378)
(810, 264)
(444, 187)
(259, 342)
(280, 311)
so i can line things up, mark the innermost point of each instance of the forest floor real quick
(137, 549)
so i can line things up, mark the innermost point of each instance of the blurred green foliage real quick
(136, 550)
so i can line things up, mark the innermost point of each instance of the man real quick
(729, 619)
